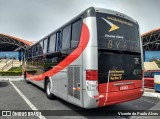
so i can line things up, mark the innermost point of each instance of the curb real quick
(11, 79)
(152, 94)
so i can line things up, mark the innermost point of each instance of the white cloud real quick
(33, 19)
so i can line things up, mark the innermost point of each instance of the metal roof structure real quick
(11, 43)
(151, 40)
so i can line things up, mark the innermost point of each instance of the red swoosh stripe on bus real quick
(69, 59)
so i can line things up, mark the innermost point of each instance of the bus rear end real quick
(113, 67)
(119, 59)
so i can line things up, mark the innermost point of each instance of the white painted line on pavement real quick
(26, 100)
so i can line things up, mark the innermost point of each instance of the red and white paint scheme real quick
(92, 61)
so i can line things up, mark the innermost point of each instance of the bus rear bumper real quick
(119, 97)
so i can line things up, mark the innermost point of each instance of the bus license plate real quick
(124, 87)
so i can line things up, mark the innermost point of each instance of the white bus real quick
(94, 60)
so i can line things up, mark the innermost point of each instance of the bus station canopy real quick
(151, 40)
(11, 43)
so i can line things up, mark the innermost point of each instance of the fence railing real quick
(9, 63)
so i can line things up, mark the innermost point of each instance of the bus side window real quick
(26, 55)
(45, 45)
(30, 52)
(76, 32)
(37, 49)
(52, 43)
(66, 36)
(41, 48)
(58, 44)
(33, 51)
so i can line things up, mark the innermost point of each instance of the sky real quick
(33, 19)
(9, 54)
(149, 55)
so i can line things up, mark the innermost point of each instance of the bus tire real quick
(25, 78)
(48, 90)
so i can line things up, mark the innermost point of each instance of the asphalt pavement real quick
(32, 97)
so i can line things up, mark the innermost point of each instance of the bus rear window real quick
(121, 66)
(116, 33)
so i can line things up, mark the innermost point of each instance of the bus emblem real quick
(113, 26)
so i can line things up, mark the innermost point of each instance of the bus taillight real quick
(91, 75)
(92, 80)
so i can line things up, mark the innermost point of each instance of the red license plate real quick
(124, 87)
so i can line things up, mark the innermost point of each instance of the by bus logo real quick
(113, 26)
(6, 113)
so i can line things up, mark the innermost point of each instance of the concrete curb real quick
(152, 94)
(12, 76)
(12, 79)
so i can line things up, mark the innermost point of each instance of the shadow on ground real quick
(3, 84)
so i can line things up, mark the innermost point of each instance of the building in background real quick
(151, 46)
(11, 51)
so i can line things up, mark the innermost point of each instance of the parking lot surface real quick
(31, 97)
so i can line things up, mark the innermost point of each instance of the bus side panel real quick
(61, 80)
(75, 82)
(32, 78)
(74, 60)
(90, 62)
(73, 65)
(54, 87)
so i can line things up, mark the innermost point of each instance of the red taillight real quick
(91, 75)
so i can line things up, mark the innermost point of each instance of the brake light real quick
(91, 75)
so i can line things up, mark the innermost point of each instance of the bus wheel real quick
(25, 78)
(48, 90)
